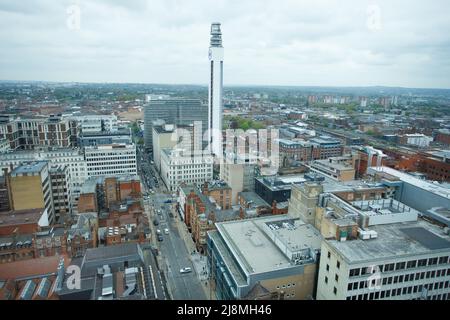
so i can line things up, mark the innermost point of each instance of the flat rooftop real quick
(20, 217)
(250, 196)
(394, 241)
(425, 185)
(34, 167)
(333, 165)
(251, 241)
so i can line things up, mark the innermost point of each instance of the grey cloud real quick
(266, 42)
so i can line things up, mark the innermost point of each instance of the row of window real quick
(401, 265)
(406, 290)
(284, 286)
(402, 278)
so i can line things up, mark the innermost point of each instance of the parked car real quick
(160, 238)
(155, 222)
(185, 270)
(166, 231)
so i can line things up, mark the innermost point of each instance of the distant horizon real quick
(228, 85)
(326, 43)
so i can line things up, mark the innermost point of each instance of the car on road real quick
(168, 201)
(166, 231)
(155, 222)
(185, 270)
(160, 237)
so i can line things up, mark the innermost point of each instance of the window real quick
(389, 267)
(336, 277)
(443, 260)
(335, 290)
(338, 264)
(422, 263)
(411, 264)
(432, 261)
(326, 279)
(354, 272)
(329, 255)
(400, 266)
(328, 267)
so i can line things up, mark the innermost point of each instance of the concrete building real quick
(169, 136)
(177, 168)
(176, 111)
(277, 253)
(114, 159)
(419, 194)
(96, 138)
(95, 123)
(30, 188)
(379, 249)
(60, 180)
(164, 137)
(404, 261)
(416, 139)
(215, 90)
(239, 176)
(336, 168)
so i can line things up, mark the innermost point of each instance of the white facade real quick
(215, 90)
(177, 168)
(393, 266)
(96, 123)
(419, 140)
(106, 160)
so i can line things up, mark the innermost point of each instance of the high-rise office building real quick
(215, 90)
(176, 111)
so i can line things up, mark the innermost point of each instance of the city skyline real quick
(300, 44)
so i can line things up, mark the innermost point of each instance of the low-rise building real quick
(277, 253)
(416, 139)
(337, 168)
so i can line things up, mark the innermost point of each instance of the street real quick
(173, 252)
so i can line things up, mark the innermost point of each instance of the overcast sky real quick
(323, 43)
